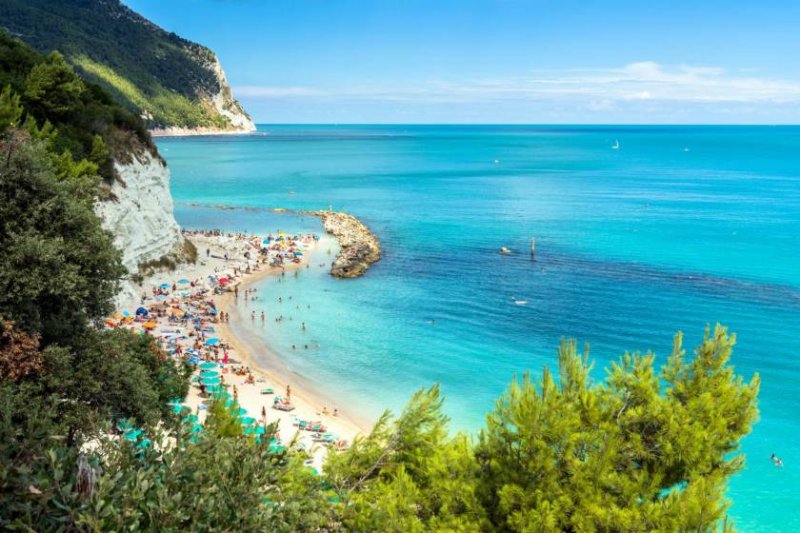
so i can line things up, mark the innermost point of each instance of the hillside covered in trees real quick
(171, 81)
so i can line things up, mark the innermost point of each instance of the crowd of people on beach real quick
(183, 316)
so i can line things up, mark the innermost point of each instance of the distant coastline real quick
(196, 132)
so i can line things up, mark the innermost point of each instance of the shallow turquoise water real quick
(679, 228)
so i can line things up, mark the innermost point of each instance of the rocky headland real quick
(359, 246)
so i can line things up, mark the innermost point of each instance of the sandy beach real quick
(243, 271)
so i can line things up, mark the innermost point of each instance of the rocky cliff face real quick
(140, 214)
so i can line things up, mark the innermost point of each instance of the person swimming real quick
(776, 461)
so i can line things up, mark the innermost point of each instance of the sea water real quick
(676, 229)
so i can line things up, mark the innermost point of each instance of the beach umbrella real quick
(142, 311)
(197, 428)
(145, 443)
(184, 281)
(150, 325)
(189, 419)
(208, 365)
(178, 409)
(240, 411)
(212, 341)
(208, 374)
(213, 380)
(164, 286)
(246, 421)
(254, 430)
(213, 389)
(196, 379)
(132, 434)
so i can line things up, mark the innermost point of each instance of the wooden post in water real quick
(533, 248)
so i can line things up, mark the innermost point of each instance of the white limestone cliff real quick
(140, 214)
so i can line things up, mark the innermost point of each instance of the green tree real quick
(408, 475)
(52, 89)
(59, 269)
(634, 453)
(10, 110)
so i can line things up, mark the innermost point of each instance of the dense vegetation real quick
(142, 66)
(642, 450)
(80, 119)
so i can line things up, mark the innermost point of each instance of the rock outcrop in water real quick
(359, 246)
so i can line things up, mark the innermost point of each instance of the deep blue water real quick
(679, 228)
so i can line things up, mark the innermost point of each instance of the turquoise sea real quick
(678, 228)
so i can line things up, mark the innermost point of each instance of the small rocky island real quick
(359, 246)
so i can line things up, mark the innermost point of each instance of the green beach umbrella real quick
(208, 374)
(254, 430)
(132, 434)
(211, 380)
(208, 365)
(247, 420)
(178, 409)
(213, 389)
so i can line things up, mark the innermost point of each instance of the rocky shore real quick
(359, 246)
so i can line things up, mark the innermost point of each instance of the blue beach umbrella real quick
(164, 286)
(208, 373)
(208, 365)
(126, 313)
(142, 311)
(247, 420)
(214, 380)
(212, 341)
(213, 389)
(184, 281)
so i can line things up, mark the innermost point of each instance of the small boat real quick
(615, 145)
(496, 161)
(505, 250)
(521, 302)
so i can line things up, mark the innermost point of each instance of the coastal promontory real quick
(359, 246)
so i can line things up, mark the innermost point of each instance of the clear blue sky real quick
(501, 61)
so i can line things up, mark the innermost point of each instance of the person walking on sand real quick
(253, 315)
(288, 392)
(262, 317)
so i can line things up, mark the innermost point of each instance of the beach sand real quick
(243, 345)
